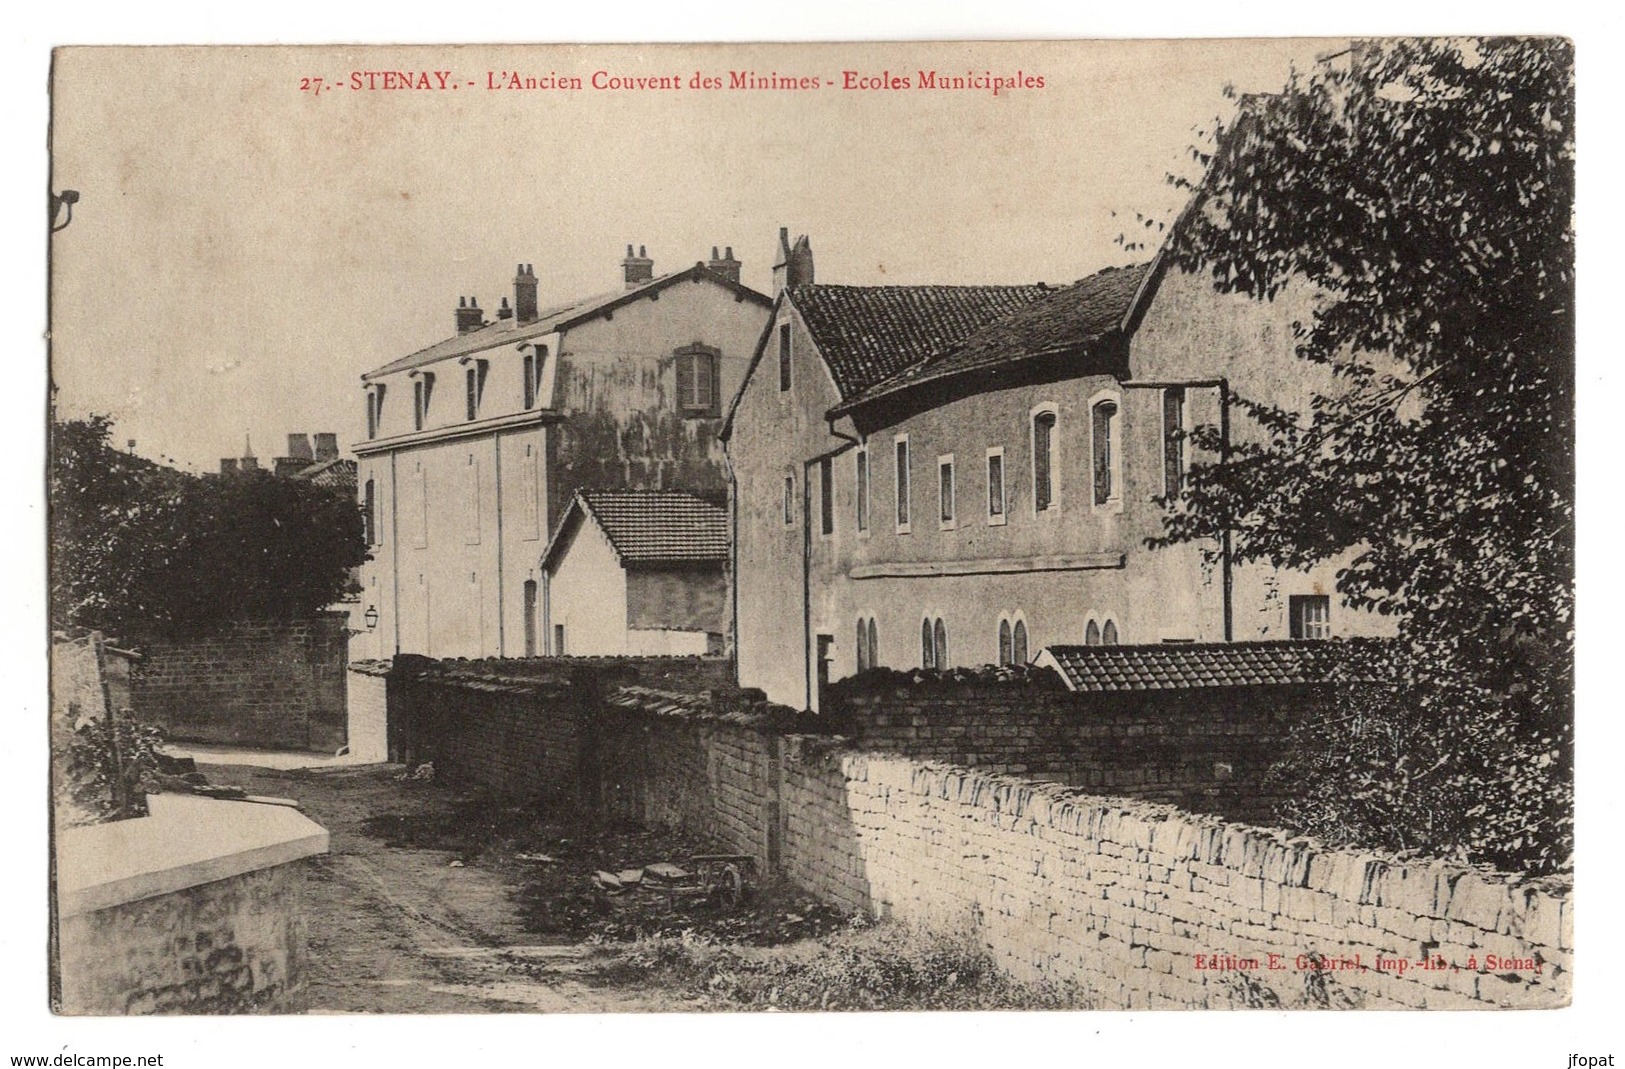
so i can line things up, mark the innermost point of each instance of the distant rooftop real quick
(652, 526)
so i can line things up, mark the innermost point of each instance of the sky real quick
(243, 250)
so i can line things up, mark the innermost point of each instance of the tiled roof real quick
(1061, 319)
(510, 331)
(659, 526)
(1188, 666)
(870, 333)
(339, 471)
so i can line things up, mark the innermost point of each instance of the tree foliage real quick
(1423, 190)
(139, 548)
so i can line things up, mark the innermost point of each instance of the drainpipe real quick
(496, 450)
(733, 554)
(395, 548)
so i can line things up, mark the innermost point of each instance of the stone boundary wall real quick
(1205, 750)
(1142, 905)
(274, 685)
(192, 909)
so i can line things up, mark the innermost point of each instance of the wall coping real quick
(184, 841)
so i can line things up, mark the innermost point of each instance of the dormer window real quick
(422, 394)
(375, 409)
(475, 379)
(535, 361)
(697, 393)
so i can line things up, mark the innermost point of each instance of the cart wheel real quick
(730, 887)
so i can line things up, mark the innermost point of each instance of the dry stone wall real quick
(1143, 905)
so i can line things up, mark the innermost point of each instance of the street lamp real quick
(65, 199)
(371, 617)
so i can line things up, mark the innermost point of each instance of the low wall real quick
(1204, 750)
(522, 727)
(191, 909)
(277, 685)
(1143, 905)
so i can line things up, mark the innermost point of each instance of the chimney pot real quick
(299, 447)
(524, 295)
(726, 265)
(468, 315)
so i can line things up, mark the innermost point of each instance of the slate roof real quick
(558, 317)
(1068, 318)
(652, 526)
(869, 333)
(1190, 666)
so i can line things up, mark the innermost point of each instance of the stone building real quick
(639, 573)
(936, 476)
(477, 444)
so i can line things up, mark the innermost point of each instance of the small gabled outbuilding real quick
(637, 573)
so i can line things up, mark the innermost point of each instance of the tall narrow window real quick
(530, 617)
(995, 485)
(558, 640)
(375, 410)
(473, 380)
(422, 397)
(1173, 441)
(902, 484)
(1004, 642)
(863, 489)
(369, 516)
(874, 644)
(1108, 633)
(928, 649)
(862, 646)
(826, 496)
(696, 368)
(945, 490)
(1104, 425)
(939, 643)
(789, 500)
(1043, 461)
(1018, 644)
(784, 356)
(1091, 634)
(471, 502)
(529, 371)
(1311, 615)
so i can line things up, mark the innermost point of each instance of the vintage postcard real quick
(1053, 525)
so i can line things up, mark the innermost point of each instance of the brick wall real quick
(235, 945)
(277, 685)
(1129, 900)
(1204, 750)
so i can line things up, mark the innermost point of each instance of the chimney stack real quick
(795, 263)
(504, 313)
(299, 447)
(469, 316)
(524, 293)
(639, 268)
(726, 265)
(327, 447)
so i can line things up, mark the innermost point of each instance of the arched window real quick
(928, 650)
(1043, 461)
(939, 639)
(1108, 633)
(874, 645)
(1091, 634)
(1104, 424)
(1018, 652)
(1004, 641)
(862, 646)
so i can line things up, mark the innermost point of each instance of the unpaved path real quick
(399, 926)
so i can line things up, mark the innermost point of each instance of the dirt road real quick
(421, 906)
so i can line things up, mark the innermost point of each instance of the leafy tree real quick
(138, 548)
(1423, 189)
